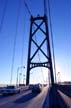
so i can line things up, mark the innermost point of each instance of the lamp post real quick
(19, 74)
(58, 77)
(17, 77)
(20, 78)
(23, 78)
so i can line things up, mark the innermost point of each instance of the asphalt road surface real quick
(59, 98)
(26, 99)
(66, 99)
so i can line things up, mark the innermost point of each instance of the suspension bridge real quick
(31, 59)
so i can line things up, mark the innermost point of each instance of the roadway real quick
(26, 99)
(57, 97)
(60, 97)
(66, 99)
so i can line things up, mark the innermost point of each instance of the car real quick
(10, 90)
(37, 88)
(31, 86)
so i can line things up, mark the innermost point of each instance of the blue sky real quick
(61, 24)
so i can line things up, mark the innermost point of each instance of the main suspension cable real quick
(26, 5)
(14, 47)
(3, 15)
(52, 37)
(45, 8)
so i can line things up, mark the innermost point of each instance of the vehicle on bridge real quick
(10, 90)
(37, 88)
(31, 86)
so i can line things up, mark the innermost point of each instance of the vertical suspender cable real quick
(23, 39)
(3, 16)
(22, 50)
(39, 60)
(52, 38)
(14, 47)
(41, 67)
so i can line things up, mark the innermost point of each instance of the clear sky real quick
(61, 26)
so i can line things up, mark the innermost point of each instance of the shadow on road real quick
(26, 98)
(66, 89)
(56, 100)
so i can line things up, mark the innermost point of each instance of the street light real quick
(20, 73)
(20, 78)
(23, 79)
(58, 77)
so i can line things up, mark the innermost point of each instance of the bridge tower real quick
(44, 30)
